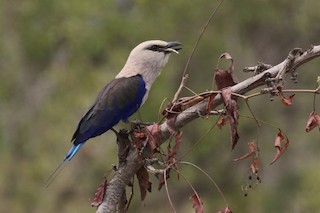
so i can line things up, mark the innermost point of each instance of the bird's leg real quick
(123, 145)
(115, 131)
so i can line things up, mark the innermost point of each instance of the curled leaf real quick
(139, 138)
(313, 121)
(144, 183)
(231, 107)
(283, 99)
(253, 150)
(225, 78)
(162, 179)
(154, 134)
(99, 195)
(254, 153)
(222, 121)
(178, 140)
(255, 164)
(281, 148)
(197, 203)
(287, 101)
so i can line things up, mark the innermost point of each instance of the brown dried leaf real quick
(225, 78)
(99, 195)
(252, 147)
(231, 107)
(162, 179)
(283, 99)
(278, 145)
(225, 210)
(222, 121)
(287, 101)
(154, 134)
(313, 121)
(255, 164)
(144, 183)
(178, 139)
(171, 160)
(197, 203)
(139, 138)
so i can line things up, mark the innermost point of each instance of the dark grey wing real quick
(116, 101)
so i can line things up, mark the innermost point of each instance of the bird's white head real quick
(148, 59)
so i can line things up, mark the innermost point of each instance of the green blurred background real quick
(56, 55)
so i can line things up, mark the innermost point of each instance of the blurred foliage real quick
(56, 55)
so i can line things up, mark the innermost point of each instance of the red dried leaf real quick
(278, 145)
(139, 137)
(255, 164)
(197, 203)
(231, 107)
(252, 146)
(222, 121)
(154, 135)
(254, 153)
(313, 121)
(225, 210)
(253, 150)
(287, 101)
(225, 78)
(284, 100)
(173, 152)
(144, 183)
(162, 179)
(99, 195)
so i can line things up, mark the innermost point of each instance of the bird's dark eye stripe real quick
(155, 48)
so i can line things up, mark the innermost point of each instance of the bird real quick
(123, 95)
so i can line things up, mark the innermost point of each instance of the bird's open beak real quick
(173, 46)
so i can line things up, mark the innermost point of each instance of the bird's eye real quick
(155, 48)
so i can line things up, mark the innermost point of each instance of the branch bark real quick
(117, 185)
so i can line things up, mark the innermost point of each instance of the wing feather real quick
(116, 101)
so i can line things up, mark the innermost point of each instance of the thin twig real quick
(189, 183)
(206, 174)
(182, 84)
(167, 190)
(159, 112)
(176, 96)
(190, 90)
(261, 121)
(254, 117)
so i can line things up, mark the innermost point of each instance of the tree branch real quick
(134, 160)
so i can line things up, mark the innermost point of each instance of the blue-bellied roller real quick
(123, 95)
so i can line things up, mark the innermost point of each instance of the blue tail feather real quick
(74, 149)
